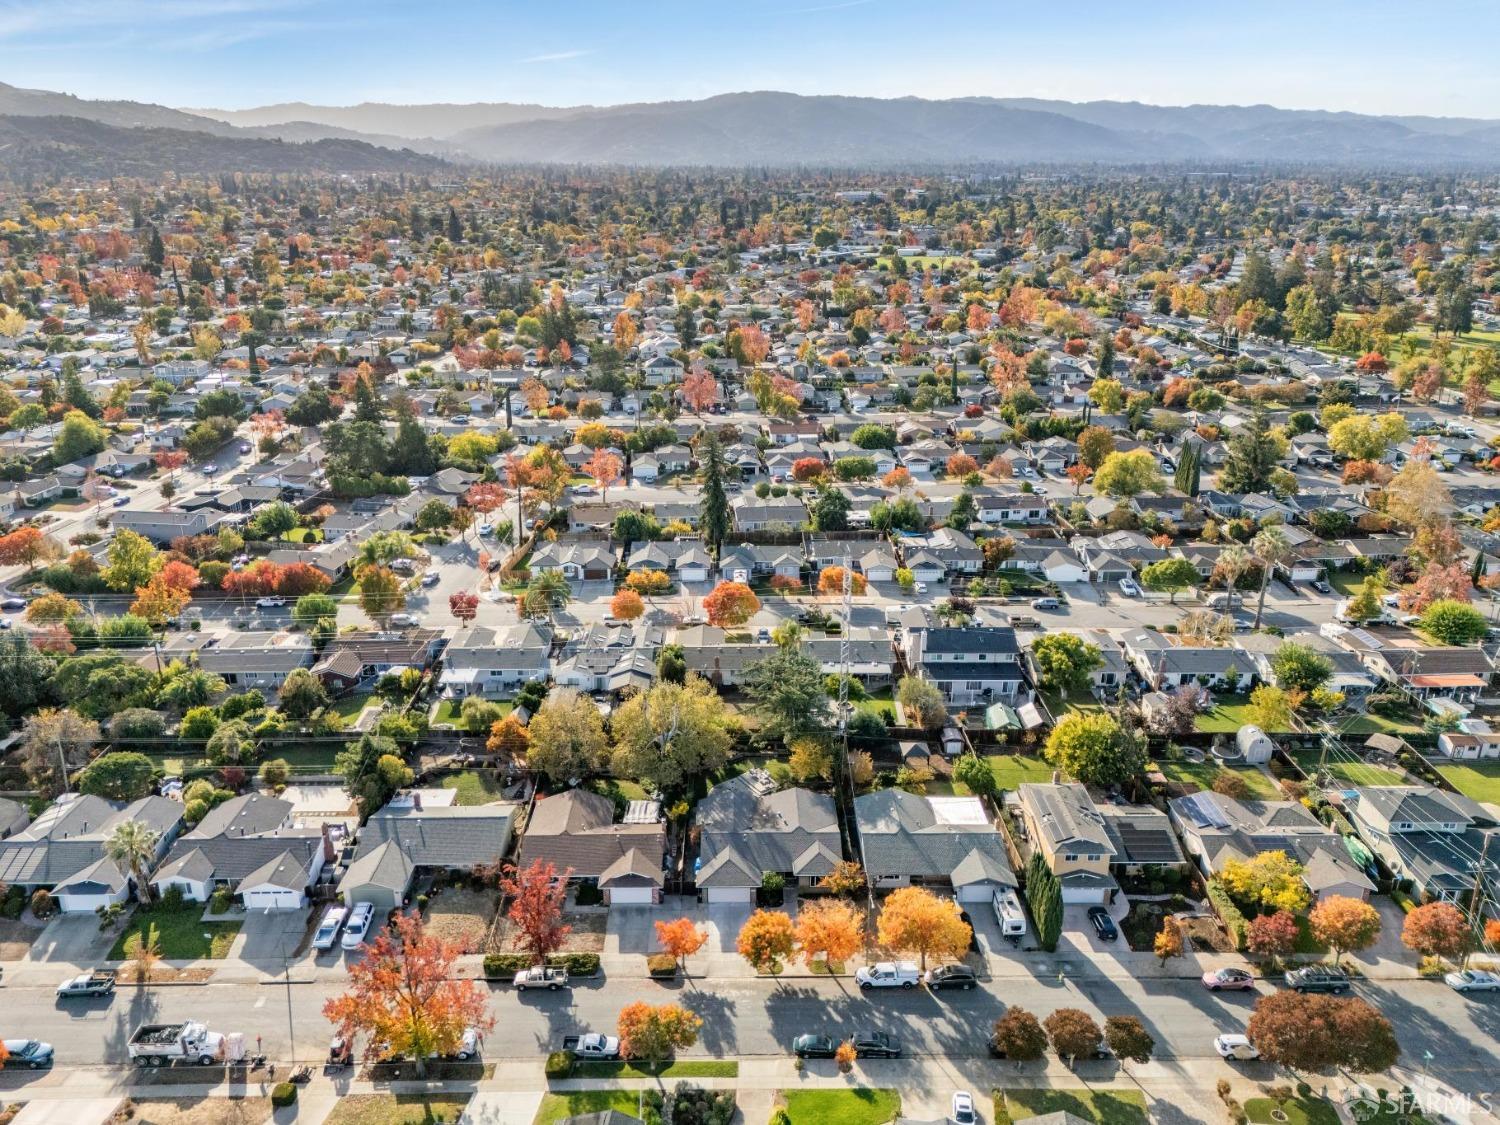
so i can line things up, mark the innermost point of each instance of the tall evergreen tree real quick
(366, 405)
(1189, 464)
(1253, 453)
(715, 507)
(455, 228)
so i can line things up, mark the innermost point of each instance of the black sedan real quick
(1103, 924)
(814, 1046)
(875, 1045)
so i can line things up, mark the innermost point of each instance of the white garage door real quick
(632, 896)
(975, 892)
(273, 900)
(728, 894)
(1083, 896)
(83, 904)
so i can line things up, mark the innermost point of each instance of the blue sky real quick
(1378, 56)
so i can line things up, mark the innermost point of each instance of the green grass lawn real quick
(181, 934)
(1299, 1111)
(398, 1109)
(863, 1106)
(694, 1068)
(1345, 772)
(448, 711)
(350, 706)
(1306, 943)
(1346, 582)
(880, 703)
(1229, 714)
(609, 786)
(304, 755)
(1080, 702)
(560, 1107)
(1203, 774)
(1371, 723)
(304, 535)
(474, 787)
(1011, 770)
(1479, 781)
(1105, 1107)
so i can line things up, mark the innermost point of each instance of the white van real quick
(358, 926)
(1008, 913)
(1225, 600)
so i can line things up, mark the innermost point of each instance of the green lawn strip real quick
(1306, 943)
(1104, 1107)
(1012, 770)
(609, 786)
(1229, 714)
(474, 787)
(303, 755)
(1299, 1111)
(865, 1106)
(1202, 774)
(181, 934)
(693, 1068)
(398, 1109)
(1346, 772)
(350, 706)
(1478, 782)
(560, 1107)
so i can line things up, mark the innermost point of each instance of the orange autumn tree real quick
(730, 604)
(653, 1032)
(680, 939)
(508, 737)
(766, 940)
(402, 995)
(914, 920)
(627, 605)
(831, 929)
(157, 602)
(700, 390)
(537, 895)
(831, 581)
(605, 467)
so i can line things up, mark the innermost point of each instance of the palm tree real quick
(133, 844)
(1232, 563)
(547, 592)
(1270, 547)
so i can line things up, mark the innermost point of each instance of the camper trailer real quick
(1009, 914)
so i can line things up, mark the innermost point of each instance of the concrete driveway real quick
(268, 936)
(71, 939)
(632, 929)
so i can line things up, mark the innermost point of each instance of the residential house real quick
(355, 660)
(494, 661)
(968, 666)
(1065, 827)
(429, 838)
(255, 659)
(1216, 829)
(586, 560)
(576, 832)
(1433, 841)
(252, 845)
(946, 842)
(754, 514)
(1163, 663)
(747, 827)
(63, 849)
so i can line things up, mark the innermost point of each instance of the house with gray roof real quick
(381, 876)
(63, 848)
(495, 662)
(256, 659)
(1065, 827)
(1432, 840)
(460, 837)
(946, 842)
(252, 845)
(748, 827)
(577, 833)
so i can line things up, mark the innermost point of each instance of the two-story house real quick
(1065, 827)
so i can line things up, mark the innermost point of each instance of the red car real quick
(1229, 980)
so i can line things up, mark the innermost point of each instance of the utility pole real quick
(1477, 895)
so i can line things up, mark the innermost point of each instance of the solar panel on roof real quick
(1147, 845)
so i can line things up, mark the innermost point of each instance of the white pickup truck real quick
(592, 1045)
(888, 974)
(550, 979)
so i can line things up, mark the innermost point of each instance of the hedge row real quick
(505, 966)
(1229, 914)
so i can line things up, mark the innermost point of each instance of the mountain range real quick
(763, 128)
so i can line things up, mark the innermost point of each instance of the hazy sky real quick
(1378, 56)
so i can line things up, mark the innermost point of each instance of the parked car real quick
(1046, 603)
(403, 620)
(244, 447)
(1229, 980)
(6, 623)
(1473, 980)
(888, 974)
(921, 587)
(1236, 1048)
(1321, 586)
(120, 501)
(951, 976)
(30, 1053)
(875, 1045)
(328, 928)
(1103, 924)
(1130, 587)
(431, 578)
(550, 979)
(814, 1046)
(100, 982)
(961, 1109)
(592, 1045)
(13, 603)
(270, 602)
(358, 926)
(1318, 978)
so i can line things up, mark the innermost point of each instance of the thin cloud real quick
(827, 7)
(557, 56)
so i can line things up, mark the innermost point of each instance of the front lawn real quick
(1202, 774)
(560, 1107)
(474, 787)
(694, 1068)
(863, 1106)
(1299, 1111)
(1011, 770)
(397, 1109)
(1104, 1107)
(181, 934)
(1478, 781)
(1346, 772)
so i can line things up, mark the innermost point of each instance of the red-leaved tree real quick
(537, 895)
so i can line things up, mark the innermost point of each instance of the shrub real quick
(172, 897)
(577, 964)
(14, 904)
(1229, 914)
(504, 966)
(43, 905)
(283, 1094)
(780, 1117)
(661, 965)
(559, 1065)
(221, 901)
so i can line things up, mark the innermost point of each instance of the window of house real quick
(975, 685)
(1071, 858)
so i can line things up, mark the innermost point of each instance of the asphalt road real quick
(1442, 1033)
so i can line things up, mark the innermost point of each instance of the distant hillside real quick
(414, 122)
(59, 147)
(16, 102)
